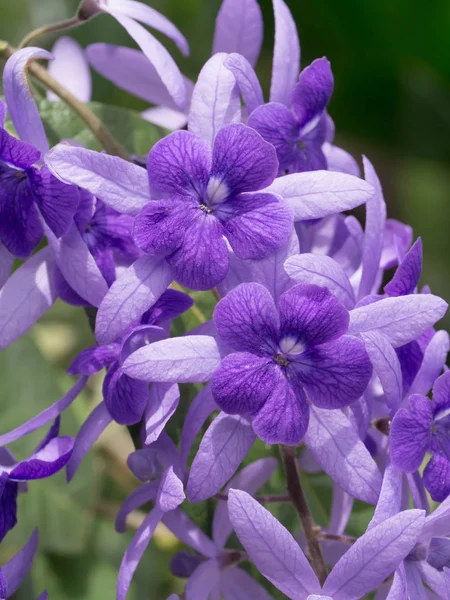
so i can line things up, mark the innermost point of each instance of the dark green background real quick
(391, 62)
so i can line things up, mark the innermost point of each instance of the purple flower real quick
(286, 357)
(421, 427)
(50, 456)
(126, 398)
(16, 569)
(299, 134)
(208, 196)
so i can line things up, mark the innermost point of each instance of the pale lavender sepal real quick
(215, 100)
(162, 403)
(2, 113)
(199, 410)
(21, 105)
(389, 502)
(170, 493)
(151, 17)
(247, 81)
(340, 510)
(15, 570)
(398, 589)
(70, 68)
(438, 523)
(317, 194)
(78, 266)
(187, 532)
(434, 359)
(159, 57)
(89, 432)
(324, 271)
(374, 556)
(6, 263)
(120, 184)
(146, 492)
(239, 28)
(271, 547)
(165, 117)
(134, 291)
(203, 581)
(434, 579)
(374, 233)
(135, 551)
(26, 296)
(268, 271)
(250, 479)
(191, 358)
(239, 585)
(386, 365)
(47, 415)
(401, 319)
(222, 449)
(131, 70)
(286, 55)
(338, 449)
(340, 160)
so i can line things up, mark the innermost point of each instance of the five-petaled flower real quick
(286, 357)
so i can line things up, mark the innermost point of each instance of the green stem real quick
(55, 27)
(298, 498)
(107, 141)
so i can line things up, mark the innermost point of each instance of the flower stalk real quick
(52, 28)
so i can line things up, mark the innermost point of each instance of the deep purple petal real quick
(8, 506)
(243, 382)
(70, 68)
(202, 260)
(21, 105)
(277, 125)
(434, 358)
(160, 227)
(120, 184)
(256, 225)
(312, 93)
(239, 28)
(151, 17)
(246, 319)
(20, 224)
(439, 553)
(411, 434)
(17, 153)
(222, 449)
(242, 162)
(310, 315)
(284, 417)
(2, 113)
(45, 462)
(286, 55)
(436, 477)
(162, 403)
(157, 54)
(135, 552)
(134, 292)
(64, 291)
(89, 432)
(15, 570)
(408, 273)
(441, 393)
(410, 356)
(271, 547)
(191, 358)
(247, 81)
(338, 449)
(215, 100)
(374, 556)
(137, 498)
(94, 359)
(179, 164)
(25, 297)
(170, 305)
(125, 398)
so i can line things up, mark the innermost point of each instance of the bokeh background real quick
(391, 62)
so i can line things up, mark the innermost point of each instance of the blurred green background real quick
(391, 62)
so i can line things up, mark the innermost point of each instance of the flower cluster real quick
(321, 340)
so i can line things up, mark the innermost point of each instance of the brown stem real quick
(108, 142)
(298, 499)
(61, 26)
(345, 539)
(383, 425)
(272, 499)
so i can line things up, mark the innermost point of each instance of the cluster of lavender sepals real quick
(306, 347)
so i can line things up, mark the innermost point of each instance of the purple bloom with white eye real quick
(126, 398)
(206, 197)
(16, 569)
(299, 134)
(50, 456)
(28, 194)
(422, 427)
(285, 357)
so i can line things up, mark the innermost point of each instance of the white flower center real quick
(217, 191)
(291, 345)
